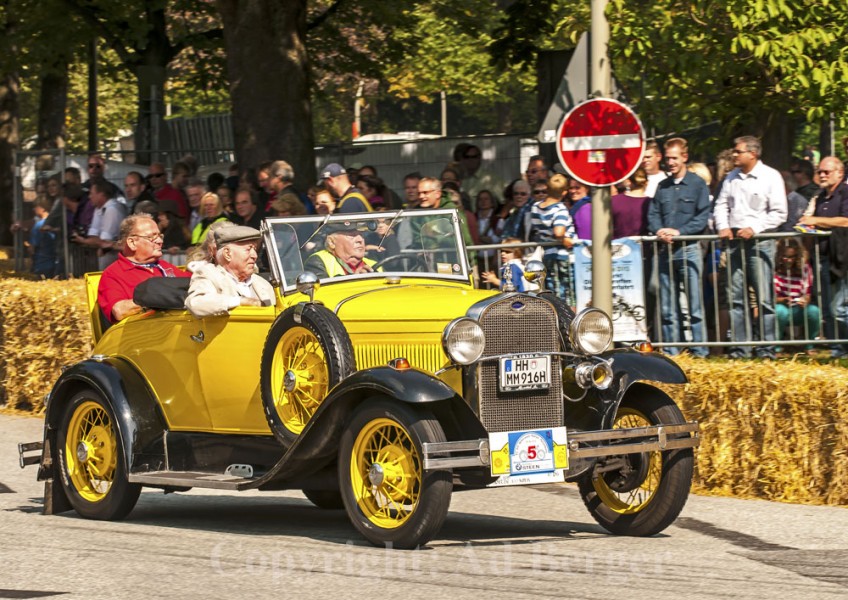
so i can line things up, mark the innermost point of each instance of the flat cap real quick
(332, 170)
(238, 233)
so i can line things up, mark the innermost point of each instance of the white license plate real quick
(518, 373)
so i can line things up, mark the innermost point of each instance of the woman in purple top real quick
(630, 209)
(580, 208)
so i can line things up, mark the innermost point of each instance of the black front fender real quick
(139, 421)
(318, 443)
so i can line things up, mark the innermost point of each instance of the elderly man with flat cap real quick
(344, 253)
(219, 288)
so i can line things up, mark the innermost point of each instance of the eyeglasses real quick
(150, 238)
(157, 174)
(735, 151)
(823, 172)
(95, 166)
(538, 192)
(423, 192)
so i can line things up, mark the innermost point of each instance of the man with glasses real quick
(517, 224)
(537, 170)
(232, 281)
(162, 190)
(430, 195)
(139, 260)
(752, 201)
(830, 213)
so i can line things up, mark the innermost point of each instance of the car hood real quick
(412, 303)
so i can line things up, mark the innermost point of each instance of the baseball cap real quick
(332, 170)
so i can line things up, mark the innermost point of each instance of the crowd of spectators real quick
(763, 288)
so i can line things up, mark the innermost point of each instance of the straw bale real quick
(43, 326)
(776, 430)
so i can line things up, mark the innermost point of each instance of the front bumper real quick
(581, 444)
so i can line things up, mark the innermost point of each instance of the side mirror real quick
(306, 283)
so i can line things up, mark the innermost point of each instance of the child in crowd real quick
(513, 259)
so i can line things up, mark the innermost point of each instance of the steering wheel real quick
(418, 264)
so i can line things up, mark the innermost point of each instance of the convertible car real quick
(380, 392)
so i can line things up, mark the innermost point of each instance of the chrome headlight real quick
(591, 331)
(463, 340)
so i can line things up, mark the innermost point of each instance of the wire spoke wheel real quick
(386, 472)
(388, 495)
(631, 492)
(643, 493)
(91, 451)
(91, 460)
(307, 352)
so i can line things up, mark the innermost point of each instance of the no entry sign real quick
(600, 142)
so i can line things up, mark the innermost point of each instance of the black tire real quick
(649, 497)
(316, 354)
(407, 507)
(326, 499)
(95, 485)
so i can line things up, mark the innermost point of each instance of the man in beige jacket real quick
(217, 289)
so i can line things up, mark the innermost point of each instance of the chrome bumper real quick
(581, 444)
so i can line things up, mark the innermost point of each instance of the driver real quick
(344, 253)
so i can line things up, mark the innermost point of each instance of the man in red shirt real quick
(138, 261)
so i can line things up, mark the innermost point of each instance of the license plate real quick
(518, 373)
(528, 457)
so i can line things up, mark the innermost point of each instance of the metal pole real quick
(92, 96)
(357, 111)
(444, 114)
(601, 82)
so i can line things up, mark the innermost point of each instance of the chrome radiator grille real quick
(532, 329)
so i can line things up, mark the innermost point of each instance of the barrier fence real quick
(704, 293)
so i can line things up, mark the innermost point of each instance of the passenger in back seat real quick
(138, 261)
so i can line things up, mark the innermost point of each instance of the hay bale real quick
(43, 326)
(775, 430)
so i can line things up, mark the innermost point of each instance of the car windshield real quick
(413, 243)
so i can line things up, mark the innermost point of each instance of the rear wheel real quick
(388, 496)
(647, 491)
(303, 358)
(91, 460)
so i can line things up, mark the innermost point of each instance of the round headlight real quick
(463, 341)
(591, 331)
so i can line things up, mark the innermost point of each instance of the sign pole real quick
(601, 80)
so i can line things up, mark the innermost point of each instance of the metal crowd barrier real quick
(758, 326)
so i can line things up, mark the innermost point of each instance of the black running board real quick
(190, 479)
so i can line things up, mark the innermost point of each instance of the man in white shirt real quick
(232, 282)
(651, 163)
(106, 223)
(752, 201)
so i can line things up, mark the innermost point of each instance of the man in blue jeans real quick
(681, 206)
(752, 201)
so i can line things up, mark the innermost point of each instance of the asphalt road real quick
(505, 543)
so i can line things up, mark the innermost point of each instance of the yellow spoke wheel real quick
(389, 497)
(632, 493)
(307, 352)
(300, 378)
(91, 450)
(385, 472)
(640, 494)
(91, 460)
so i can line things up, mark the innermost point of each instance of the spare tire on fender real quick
(306, 353)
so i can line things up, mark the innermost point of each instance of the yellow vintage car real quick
(380, 391)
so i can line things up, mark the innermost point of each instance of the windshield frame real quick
(286, 280)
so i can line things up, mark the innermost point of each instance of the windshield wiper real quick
(314, 233)
(389, 228)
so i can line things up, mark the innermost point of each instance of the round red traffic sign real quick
(600, 142)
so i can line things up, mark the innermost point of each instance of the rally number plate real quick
(528, 457)
(517, 373)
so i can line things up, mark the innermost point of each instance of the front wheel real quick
(646, 493)
(388, 496)
(91, 460)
